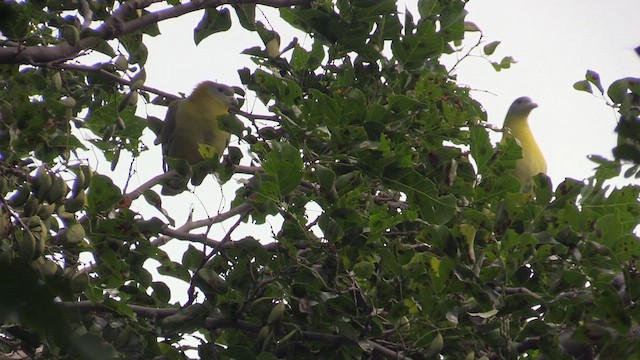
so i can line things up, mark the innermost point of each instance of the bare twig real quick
(183, 233)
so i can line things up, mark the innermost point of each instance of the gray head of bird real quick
(224, 93)
(521, 108)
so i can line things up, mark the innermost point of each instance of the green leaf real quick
(505, 63)
(608, 229)
(380, 221)
(151, 227)
(161, 292)
(311, 60)
(618, 89)
(323, 22)
(490, 48)
(151, 29)
(481, 149)
(471, 27)
(414, 50)
(341, 224)
(594, 78)
(423, 194)
(566, 193)
(212, 22)
(135, 47)
(631, 171)
(426, 7)
(606, 169)
(492, 187)
(583, 85)
(14, 20)
(283, 165)
(452, 22)
(337, 112)
(192, 258)
(101, 117)
(442, 269)
(247, 15)
(543, 188)
(364, 269)
(103, 195)
(326, 178)
(153, 199)
(174, 269)
(626, 248)
(269, 86)
(104, 47)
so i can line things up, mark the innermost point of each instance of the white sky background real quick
(554, 42)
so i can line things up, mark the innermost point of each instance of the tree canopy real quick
(424, 246)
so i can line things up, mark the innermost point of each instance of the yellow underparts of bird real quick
(516, 123)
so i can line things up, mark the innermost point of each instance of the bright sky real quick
(554, 42)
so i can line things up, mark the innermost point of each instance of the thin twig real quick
(183, 233)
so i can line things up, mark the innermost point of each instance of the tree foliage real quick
(424, 246)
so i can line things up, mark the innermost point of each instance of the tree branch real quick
(224, 322)
(252, 170)
(111, 76)
(256, 117)
(134, 194)
(517, 290)
(115, 26)
(149, 184)
(183, 233)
